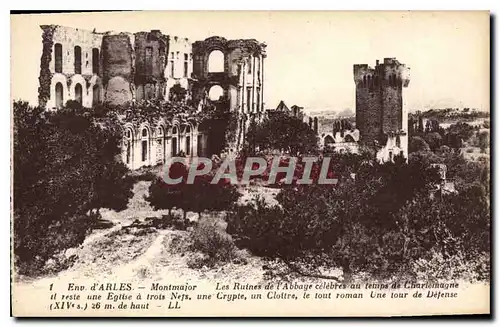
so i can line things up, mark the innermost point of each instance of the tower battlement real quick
(391, 72)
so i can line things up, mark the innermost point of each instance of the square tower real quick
(381, 113)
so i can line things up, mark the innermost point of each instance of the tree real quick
(164, 196)
(198, 196)
(64, 166)
(418, 144)
(433, 139)
(284, 132)
(484, 140)
(177, 93)
(348, 225)
(458, 133)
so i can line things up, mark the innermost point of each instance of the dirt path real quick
(138, 268)
(140, 254)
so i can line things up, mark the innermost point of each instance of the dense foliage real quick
(380, 221)
(284, 132)
(65, 169)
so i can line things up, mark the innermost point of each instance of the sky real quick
(310, 54)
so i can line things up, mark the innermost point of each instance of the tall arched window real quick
(216, 62)
(160, 153)
(95, 61)
(78, 93)
(144, 144)
(249, 65)
(78, 60)
(174, 141)
(128, 145)
(59, 96)
(58, 57)
(188, 140)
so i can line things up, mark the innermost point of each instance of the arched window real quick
(78, 60)
(249, 65)
(59, 96)
(58, 57)
(188, 129)
(349, 138)
(128, 146)
(160, 150)
(95, 61)
(364, 80)
(188, 145)
(174, 141)
(216, 62)
(328, 140)
(144, 144)
(186, 64)
(398, 141)
(78, 93)
(215, 93)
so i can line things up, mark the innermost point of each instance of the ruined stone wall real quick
(71, 74)
(150, 50)
(180, 49)
(71, 37)
(118, 68)
(45, 77)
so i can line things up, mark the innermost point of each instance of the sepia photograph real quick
(250, 164)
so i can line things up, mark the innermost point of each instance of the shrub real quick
(47, 244)
(65, 167)
(378, 223)
(209, 239)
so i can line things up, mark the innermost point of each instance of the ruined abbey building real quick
(123, 68)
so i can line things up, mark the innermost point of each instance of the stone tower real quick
(381, 112)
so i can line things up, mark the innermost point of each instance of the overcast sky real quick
(310, 54)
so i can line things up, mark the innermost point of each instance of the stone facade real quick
(240, 74)
(71, 67)
(179, 66)
(381, 112)
(150, 144)
(231, 74)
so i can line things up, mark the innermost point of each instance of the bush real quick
(65, 168)
(49, 244)
(379, 223)
(209, 239)
(255, 227)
